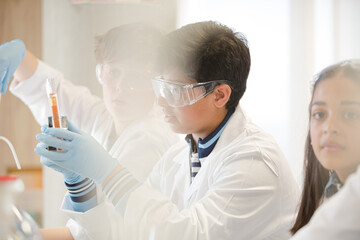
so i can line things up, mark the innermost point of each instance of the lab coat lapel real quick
(232, 130)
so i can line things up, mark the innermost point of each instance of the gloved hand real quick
(68, 175)
(83, 198)
(11, 54)
(81, 153)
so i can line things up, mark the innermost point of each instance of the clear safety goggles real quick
(180, 94)
(114, 75)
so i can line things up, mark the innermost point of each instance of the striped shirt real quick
(332, 186)
(204, 146)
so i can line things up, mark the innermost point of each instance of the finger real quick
(19, 44)
(55, 156)
(59, 132)
(43, 128)
(53, 141)
(74, 129)
(4, 44)
(51, 164)
(47, 162)
(42, 145)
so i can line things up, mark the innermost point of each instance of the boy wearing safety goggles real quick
(229, 180)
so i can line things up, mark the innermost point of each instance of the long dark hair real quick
(316, 176)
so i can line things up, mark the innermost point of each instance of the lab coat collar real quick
(206, 145)
(234, 127)
(233, 130)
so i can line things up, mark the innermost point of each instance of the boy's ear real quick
(222, 95)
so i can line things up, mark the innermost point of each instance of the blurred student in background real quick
(126, 122)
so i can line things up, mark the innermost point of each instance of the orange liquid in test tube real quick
(55, 110)
(51, 86)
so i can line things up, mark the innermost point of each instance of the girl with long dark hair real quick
(332, 151)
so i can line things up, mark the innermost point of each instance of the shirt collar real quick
(333, 185)
(206, 145)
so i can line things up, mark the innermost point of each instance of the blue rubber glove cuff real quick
(82, 194)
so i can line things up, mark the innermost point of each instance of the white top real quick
(337, 218)
(148, 137)
(244, 190)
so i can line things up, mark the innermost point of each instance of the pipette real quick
(51, 92)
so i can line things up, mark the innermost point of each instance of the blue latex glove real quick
(81, 153)
(68, 175)
(11, 54)
(76, 182)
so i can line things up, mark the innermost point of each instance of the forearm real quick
(62, 233)
(26, 68)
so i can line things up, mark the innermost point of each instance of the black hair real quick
(208, 51)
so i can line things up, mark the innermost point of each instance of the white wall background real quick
(68, 31)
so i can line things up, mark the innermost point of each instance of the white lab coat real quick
(244, 190)
(337, 218)
(148, 137)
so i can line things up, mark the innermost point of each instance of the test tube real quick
(63, 124)
(54, 107)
